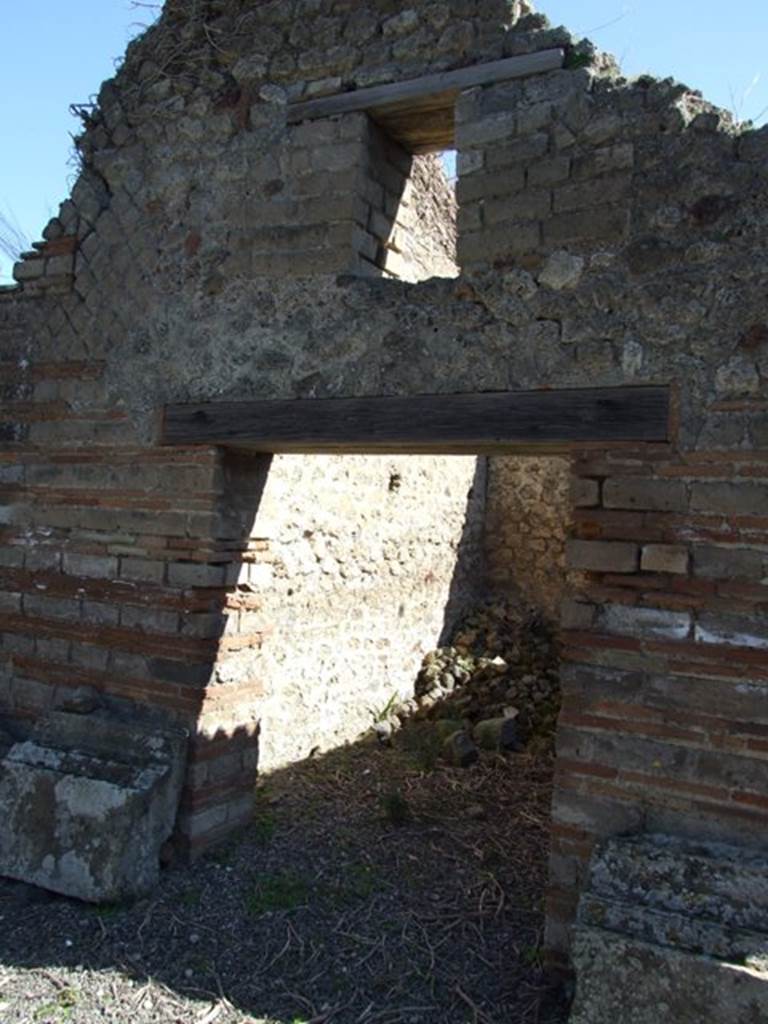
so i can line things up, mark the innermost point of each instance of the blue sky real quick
(57, 52)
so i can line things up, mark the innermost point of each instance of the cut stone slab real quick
(87, 801)
(723, 883)
(672, 930)
(623, 979)
(679, 931)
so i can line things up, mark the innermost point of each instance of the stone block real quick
(88, 801)
(602, 556)
(336, 157)
(298, 263)
(469, 218)
(715, 562)
(557, 85)
(59, 265)
(672, 930)
(29, 270)
(672, 558)
(353, 127)
(550, 172)
(644, 622)
(504, 242)
(9, 602)
(487, 186)
(11, 558)
(602, 161)
(498, 734)
(575, 615)
(98, 613)
(142, 570)
(586, 194)
(585, 493)
(644, 493)
(534, 117)
(470, 162)
(195, 574)
(621, 979)
(150, 620)
(733, 630)
(669, 875)
(520, 151)
(531, 204)
(729, 499)
(96, 566)
(489, 129)
(603, 224)
(51, 607)
(561, 270)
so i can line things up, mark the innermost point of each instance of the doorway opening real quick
(374, 571)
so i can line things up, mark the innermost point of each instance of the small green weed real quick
(359, 882)
(397, 810)
(49, 1011)
(281, 891)
(531, 956)
(575, 60)
(107, 910)
(384, 712)
(191, 897)
(264, 826)
(60, 1009)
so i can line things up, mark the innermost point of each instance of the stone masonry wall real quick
(526, 526)
(371, 559)
(581, 175)
(665, 676)
(418, 233)
(610, 233)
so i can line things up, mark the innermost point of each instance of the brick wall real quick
(665, 652)
(664, 637)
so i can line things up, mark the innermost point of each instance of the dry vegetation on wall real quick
(229, 49)
(12, 239)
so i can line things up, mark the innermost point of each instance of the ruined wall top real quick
(608, 231)
(316, 46)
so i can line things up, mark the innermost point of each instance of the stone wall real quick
(526, 526)
(422, 240)
(610, 233)
(370, 561)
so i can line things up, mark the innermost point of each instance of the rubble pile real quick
(494, 687)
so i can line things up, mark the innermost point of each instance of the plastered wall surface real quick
(610, 233)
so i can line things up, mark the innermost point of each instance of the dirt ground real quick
(375, 886)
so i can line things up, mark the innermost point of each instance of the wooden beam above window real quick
(462, 424)
(418, 113)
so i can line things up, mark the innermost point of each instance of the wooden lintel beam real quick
(428, 424)
(414, 89)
